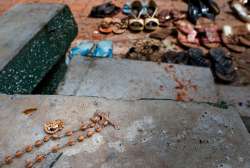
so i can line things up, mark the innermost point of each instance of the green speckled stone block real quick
(33, 38)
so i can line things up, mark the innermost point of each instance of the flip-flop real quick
(210, 37)
(189, 41)
(222, 65)
(230, 39)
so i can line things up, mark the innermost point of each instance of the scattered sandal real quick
(166, 15)
(146, 50)
(187, 35)
(115, 25)
(222, 65)
(210, 37)
(152, 23)
(202, 8)
(136, 23)
(241, 11)
(104, 10)
(197, 58)
(231, 40)
(193, 56)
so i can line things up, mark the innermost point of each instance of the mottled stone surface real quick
(153, 133)
(33, 38)
(130, 80)
(238, 97)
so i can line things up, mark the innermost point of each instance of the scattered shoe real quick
(202, 8)
(233, 38)
(187, 35)
(222, 65)
(115, 25)
(146, 50)
(151, 22)
(197, 58)
(104, 10)
(241, 11)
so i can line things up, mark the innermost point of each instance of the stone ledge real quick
(33, 38)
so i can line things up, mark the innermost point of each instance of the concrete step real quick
(153, 133)
(132, 80)
(238, 97)
(33, 38)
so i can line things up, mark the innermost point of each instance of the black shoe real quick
(222, 65)
(196, 58)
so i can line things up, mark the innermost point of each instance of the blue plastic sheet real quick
(101, 49)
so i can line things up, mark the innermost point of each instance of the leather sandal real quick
(136, 23)
(210, 37)
(152, 23)
(187, 35)
(231, 40)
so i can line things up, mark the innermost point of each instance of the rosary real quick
(95, 124)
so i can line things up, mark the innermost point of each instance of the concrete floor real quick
(153, 133)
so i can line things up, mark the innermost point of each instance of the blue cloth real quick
(102, 49)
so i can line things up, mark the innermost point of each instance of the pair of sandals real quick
(194, 36)
(113, 25)
(192, 56)
(141, 10)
